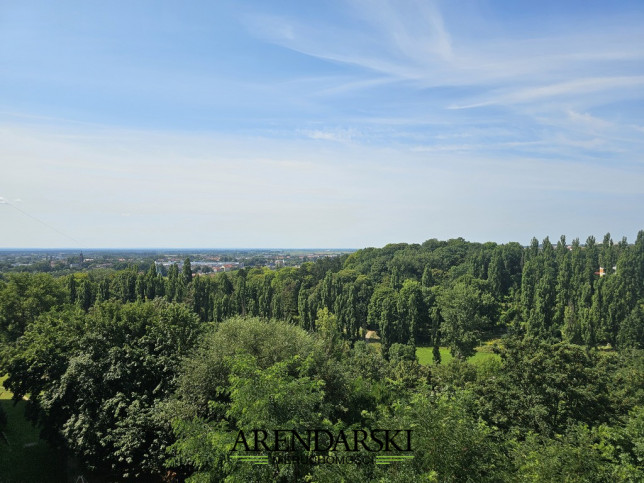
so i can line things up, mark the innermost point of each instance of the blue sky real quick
(319, 124)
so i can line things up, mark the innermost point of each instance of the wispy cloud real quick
(585, 119)
(337, 135)
(395, 39)
(574, 88)
(553, 92)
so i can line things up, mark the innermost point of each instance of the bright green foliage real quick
(279, 396)
(448, 443)
(247, 374)
(208, 369)
(328, 326)
(251, 374)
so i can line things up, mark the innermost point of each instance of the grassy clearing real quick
(483, 353)
(26, 457)
(426, 356)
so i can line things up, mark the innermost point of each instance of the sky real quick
(339, 124)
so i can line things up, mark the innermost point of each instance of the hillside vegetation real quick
(505, 363)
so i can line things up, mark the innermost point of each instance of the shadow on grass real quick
(24, 457)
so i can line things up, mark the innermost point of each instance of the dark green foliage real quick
(3, 419)
(467, 309)
(123, 286)
(631, 330)
(582, 454)
(626, 388)
(540, 291)
(544, 388)
(23, 297)
(436, 354)
(186, 272)
(96, 381)
(413, 312)
(389, 323)
(402, 352)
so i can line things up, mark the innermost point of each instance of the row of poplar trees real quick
(449, 293)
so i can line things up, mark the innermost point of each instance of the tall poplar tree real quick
(187, 271)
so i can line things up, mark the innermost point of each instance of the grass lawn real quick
(26, 458)
(426, 356)
(483, 353)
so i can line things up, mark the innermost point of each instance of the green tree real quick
(496, 273)
(327, 324)
(544, 388)
(23, 297)
(631, 330)
(412, 312)
(186, 271)
(71, 287)
(388, 323)
(172, 289)
(97, 381)
(86, 296)
(465, 311)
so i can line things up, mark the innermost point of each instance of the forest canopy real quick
(142, 375)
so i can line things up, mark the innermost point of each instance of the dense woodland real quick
(144, 377)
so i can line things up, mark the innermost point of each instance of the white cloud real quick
(336, 135)
(588, 120)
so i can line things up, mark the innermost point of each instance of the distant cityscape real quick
(202, 261)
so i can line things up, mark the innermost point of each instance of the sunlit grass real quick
(425, 355)
(483, 353)
(4, 394)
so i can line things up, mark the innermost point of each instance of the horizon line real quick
(175, 248)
